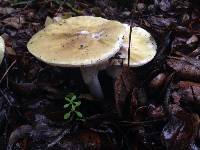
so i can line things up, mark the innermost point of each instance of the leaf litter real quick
(155, 106)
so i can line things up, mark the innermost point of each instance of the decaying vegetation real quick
(155, 106)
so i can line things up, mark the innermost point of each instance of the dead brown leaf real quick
(6, 10)
(186, 69)
(123, 86)
(189, 92)
(15, 22)
(181, 130)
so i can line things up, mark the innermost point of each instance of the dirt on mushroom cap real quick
(77, 41)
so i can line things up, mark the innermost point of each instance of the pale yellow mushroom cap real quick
(143, 46)
(2, 49)
(77, 41)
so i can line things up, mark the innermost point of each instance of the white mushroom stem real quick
(90, 77)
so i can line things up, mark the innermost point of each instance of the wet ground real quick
(155, 106)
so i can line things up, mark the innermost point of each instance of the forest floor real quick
(156, 106)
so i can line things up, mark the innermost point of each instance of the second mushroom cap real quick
(142, 49)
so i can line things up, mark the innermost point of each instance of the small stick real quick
(129, 42)
(57, 140)
(193, 94)
(142, 122)
(7, 71)
(131, 25)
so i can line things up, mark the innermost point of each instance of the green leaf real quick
(67, 115)
(67, 99)
(66, 105)
(79, 114)
(73, 98)
(73, 108)
(77, 103)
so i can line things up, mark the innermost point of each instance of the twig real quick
(7, 71)
(193, 94)
(129, 42)
(58, 138)
(131, 25)
(8, 98)
(142, 122)
(61, 5)
(73, 9)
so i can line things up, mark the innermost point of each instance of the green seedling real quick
(72, 104)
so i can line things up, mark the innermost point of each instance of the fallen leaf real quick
(6, 10)
(186, 69)
(165, 5)
(123, 86)
(10, 51)
(188, 92)
(15, 22)
(155, 111)
(193, 39)
(158, 81)
(180, 131)
(160, 21)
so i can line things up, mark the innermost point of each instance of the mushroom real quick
(2, 49)
(142, 50)
(85, 41)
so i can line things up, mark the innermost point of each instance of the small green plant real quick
(72, 104)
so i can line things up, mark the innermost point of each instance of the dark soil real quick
(155, 106)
